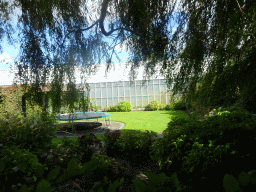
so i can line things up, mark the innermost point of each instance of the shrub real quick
(106, 109)
(136, 143)
(85, 141)
(57, 176)
(245, 182)
(19, 163)
(110, 139)
(96, 108)
(113, 109)
(124, 106)
(177, 105)
(196, 115)
(162, 106)
(153, 105)
(200, 150)
(65, 151)
(157, 183)
(32, 133)
(168, 106)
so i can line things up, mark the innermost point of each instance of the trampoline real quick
(83, 115)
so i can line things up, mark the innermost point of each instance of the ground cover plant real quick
(181, 132)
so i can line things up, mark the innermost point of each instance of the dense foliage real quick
(201, 151)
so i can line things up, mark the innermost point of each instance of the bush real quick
(168, 106)
(124, 106)
(31, 132)
(106, 109)
(136, 144)
(85, 142)
(154, 105)
(178, 105)
(200, 150)
(20, 163)
(162, 106)
(113, 109)
(110, 139)
(94, 107)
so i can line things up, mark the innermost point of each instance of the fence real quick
(111, 93)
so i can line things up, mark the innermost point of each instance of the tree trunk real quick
(24, 105)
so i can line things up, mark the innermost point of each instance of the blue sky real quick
(11, 52)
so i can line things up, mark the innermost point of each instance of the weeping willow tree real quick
(216, 29)
(206, 28)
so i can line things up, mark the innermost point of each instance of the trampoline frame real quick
(72, 120)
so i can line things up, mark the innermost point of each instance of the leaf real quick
(2, 165)
(43, 186)
(230, 183)
(53, 174)
(157, 180)
(139, 185)
(72, 167)
(244, 178)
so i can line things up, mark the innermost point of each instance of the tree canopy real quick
(206, 28)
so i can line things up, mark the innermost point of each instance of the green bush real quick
(168, 106)
(162, 106)
(110, 139)
(84, 142)
(106, 109)
(131, 140)
(32, 133)
(95, 108)
(20, 163)
(177, 105)
(200, 150)
(157, 183)
(124, 106)
(48, 181)
(245, 182)
(153, 105)
(113, 109)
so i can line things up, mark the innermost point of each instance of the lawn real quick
(137, 120)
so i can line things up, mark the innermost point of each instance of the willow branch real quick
(244, 14)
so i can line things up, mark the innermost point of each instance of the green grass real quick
(156, 121)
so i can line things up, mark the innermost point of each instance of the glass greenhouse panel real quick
(98, 93)
(132, 91)
(126, 91)
(115, 91)
(121, 91)
(138, 90)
